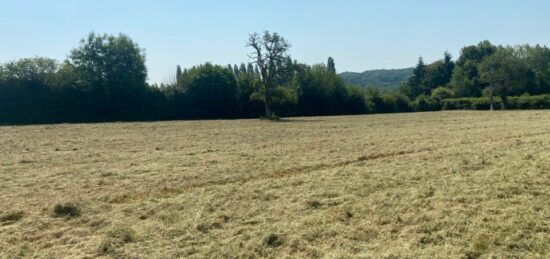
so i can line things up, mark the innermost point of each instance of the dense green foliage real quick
(483, 103)
(104, 79)
(25, 90)
(385, 79)
(322, 92)
(426, 78)
(497, 72)
(206, 91)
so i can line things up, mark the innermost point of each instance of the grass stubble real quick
(420, 185)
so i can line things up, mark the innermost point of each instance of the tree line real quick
(105, 79)
(484, 71)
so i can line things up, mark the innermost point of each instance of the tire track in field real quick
(167, 192)
(294, 171)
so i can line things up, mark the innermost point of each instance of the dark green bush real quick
(402, 102)
(425, 103)
(529, 102)
(441, 93)
(484, 104)
(457, 104)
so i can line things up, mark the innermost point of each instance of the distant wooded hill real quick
(385, 79)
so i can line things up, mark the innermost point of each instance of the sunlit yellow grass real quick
(445, 184)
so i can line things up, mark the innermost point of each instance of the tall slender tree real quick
(448, 66)
(242, 69)
(331, 65)
(178, 74)
(250, 68)
(236, 70)
(414, 84)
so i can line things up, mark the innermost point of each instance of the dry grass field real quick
(425, 185)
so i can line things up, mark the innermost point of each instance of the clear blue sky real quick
(359, 34)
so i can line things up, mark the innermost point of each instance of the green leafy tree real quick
(112, 70)
(537, 58)
(321, 92)
(426, 78)
(441, 93)
(434, 77)
(29, 69)
(465, 80)
(249, 87)
(448, 67)
(207, 91)
(476, 53)
(502, 75)
(375, 100)
(27, 93)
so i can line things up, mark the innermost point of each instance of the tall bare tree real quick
(269, 50)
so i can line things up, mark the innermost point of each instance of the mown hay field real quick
(420, 185)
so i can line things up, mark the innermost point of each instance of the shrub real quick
(389, 103)
(402, 102)
(468, 103)
(283, 100)
(441, 93)
(482, 103)
(425, 103)
(355, 101)
(374, 101)
(457, 104)
(529, 102)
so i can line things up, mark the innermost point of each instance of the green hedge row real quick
(482, 103)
